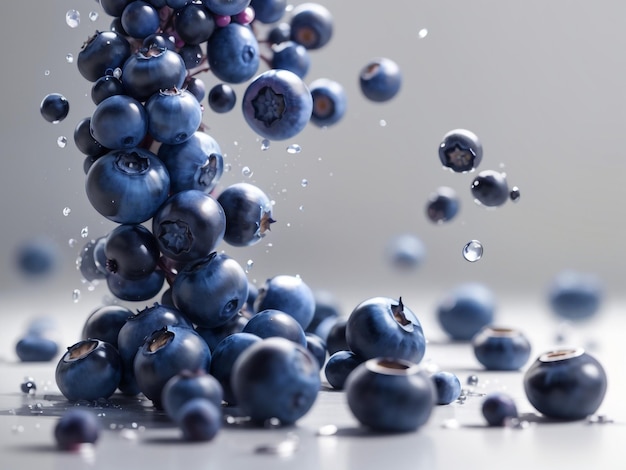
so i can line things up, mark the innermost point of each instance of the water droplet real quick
(247, 172)
(66, 211)
(84, 232)
(29, 386)
(249, 265)
(301, 208)
(46, 72)
(72, 18)
(72, 242)
(93, 15)
(227, 167)
(283, 448)
(62, 141)
(17, 428)
(293, 149)
(382, 123)
(76, 295)
(265, 144)
(304, 183)
(515, 194)
(117, 73)
(473, 251)
(69, 58)
(516, 423)
(472, 380)
(599, 419)
(422, 33)
(327, 430)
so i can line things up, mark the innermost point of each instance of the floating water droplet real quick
(382, 123)
(66, 211)
(293, 149)
(72, 18)
(93, 15)
(69, 58)
(301, 208)
(304, 183)
(84, 232)
(265, 144)
(76, 295)
(62, 141)
(247, 172)
(515, 194)
(249, 265)
(473, 251)
(227, 167)
(72, 242)
(422, 33)
(46, 72)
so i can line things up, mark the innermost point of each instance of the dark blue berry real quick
(75, 427)
(54, 107)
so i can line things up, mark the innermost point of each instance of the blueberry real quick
(29, 386)
(566, 384)
(224, 356)
(311, 25)
(226, 7)
(166, 353)
(36, 348)
(37, 257)
(199, 420)
(384, 327)
(211, 291)
(192, 56)
(214, 335)
(501, 348)
(497, 408)
(136, 290)
(490, 188)
(326, 306)
(268, 11)
(390, 395)
(406, 251)
(291, 56)
(113, 7)
(140, 19)
(222, 98)
(575, 295)
(75, 427)
(465, 309)
(54, 107)
(173, 115)
(275, 378)
(85, 142)
(447, 385)
(317, 347)
(289, 294)
(380, 79)
(442, 205)
(248, 213)
(103, 52)
(106, 86)
(339, 366)
(119, 122)
(104, 323)
(188, 385)
(197, 88)
(279, 33)
(336, 336)
(189, 225)
(270, 322)
(460, 150)
(194, 23)
(131, 251)
(233, 53)
(89, 370)
(329, 102)
(277, 104)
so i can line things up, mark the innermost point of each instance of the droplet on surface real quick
(472, 380)
(422, 33)
(515, 194)
(29, 386)
(62, 141)
(293, 149)
(72, 18)
(451, 424)
(66, 211)
(283, 448)
(265, 144)
(327, 430)
(473, 251)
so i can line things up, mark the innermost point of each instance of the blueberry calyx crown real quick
(266, 222)
(458, 158)
(132, 163)
(391, 366)
(208, 171)
(159, 339)
(561, 354)
(399, 316)
(176, 236)
(269, 106)
(81, 349)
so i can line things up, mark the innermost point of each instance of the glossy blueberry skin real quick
(135, 330)
(380, 79)
(105, 87)
(291, 56)
(497, 407)
(566, 384)
(103, 52)
(189, 225)
(223, 358)
(501, 348)
(188, 385)
(277, 104)
(326, 306)
(119, 122)
(213, 336)
(336, 337)
(275, 378)
(575, 295)
(460, 151)
(140, 19)
(385, 327)
(248, 212)
(54, 107)
(196, 163)
(85, 142)
(89, 370)
(36, 348)
(192, 55)
(113, 7)
(317, 347)
(149, 70)
(269, 323)
(197, 88)
(268, 11)
(226, 7)
(222, 98)
(329, 102)
(75, 427)
(442, 205)
(339, 366)
(194, 23)
(131, 251)
(465, 309)
(211, 291)
(174, 115)
(279, 33)
(105, 323)
(127, 187)
(92, 260)
(447, 385)
(406, 251)
(390, 395)
(233, 53)
(136, 290)
(311, 25)
(289, 294)
(199, 420)
(490, 188)
(166, 353)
